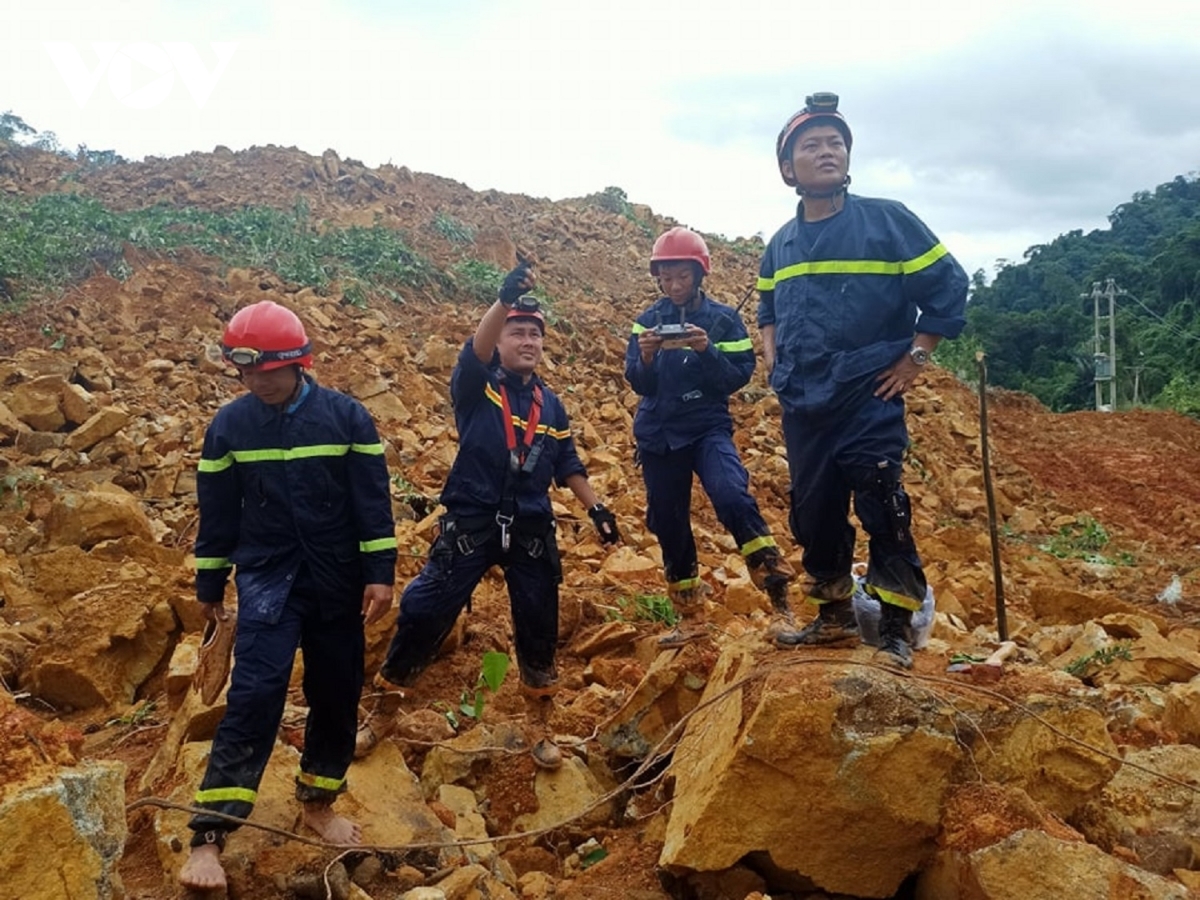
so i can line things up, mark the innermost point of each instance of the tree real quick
(11, 125)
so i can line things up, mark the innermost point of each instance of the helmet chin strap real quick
(823, 195)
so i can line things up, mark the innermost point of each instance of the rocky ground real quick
(799, 775)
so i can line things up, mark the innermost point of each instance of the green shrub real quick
(453, 230)
(57, 239)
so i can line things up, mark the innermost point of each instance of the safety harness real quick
(522, 457)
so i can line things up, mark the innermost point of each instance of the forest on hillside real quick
(1036, 324)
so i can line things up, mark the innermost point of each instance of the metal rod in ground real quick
(997, 575)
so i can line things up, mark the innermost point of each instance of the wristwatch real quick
(919, 355)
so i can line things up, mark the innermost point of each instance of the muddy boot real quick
(895, 635)
(770, 572)
(381, 720)
(834, 624)
(539, 703)
(688, 603)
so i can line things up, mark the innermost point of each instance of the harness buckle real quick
(505, 536)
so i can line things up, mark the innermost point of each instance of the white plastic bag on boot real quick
(866, 610)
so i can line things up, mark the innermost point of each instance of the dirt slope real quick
(1135, 474)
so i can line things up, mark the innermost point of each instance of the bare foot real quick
(203, 871)
(332, 828)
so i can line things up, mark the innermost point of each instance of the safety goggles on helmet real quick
(249, 356)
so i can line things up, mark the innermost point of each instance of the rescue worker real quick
(856, 294)
(514, 439)
(293, 491)
(686, 354)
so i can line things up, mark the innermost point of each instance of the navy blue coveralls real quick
(683, 426)
(844, 295)
(298, 501)
(471, 540)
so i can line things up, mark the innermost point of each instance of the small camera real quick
(822, 101)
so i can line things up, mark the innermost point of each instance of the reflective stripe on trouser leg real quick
(333, 677)
(894, 570)
(727, 484)
(668, 478)
(263, 658)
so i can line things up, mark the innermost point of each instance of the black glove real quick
(606, 524)
(514, 284)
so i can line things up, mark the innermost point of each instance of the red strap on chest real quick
(535, 415)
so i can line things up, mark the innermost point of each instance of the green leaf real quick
(495, 667)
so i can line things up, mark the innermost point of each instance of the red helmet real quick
(677, 245)
(268, 336)
(527, 307)
(819, 109)
(524, 314)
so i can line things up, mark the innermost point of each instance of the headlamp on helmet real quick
(527, 307)
(820, 108)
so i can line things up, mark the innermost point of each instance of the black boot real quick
(834, 624)
(895, 635)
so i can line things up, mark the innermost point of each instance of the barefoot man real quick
(293, 491)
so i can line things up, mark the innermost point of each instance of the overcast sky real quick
(1001, 124)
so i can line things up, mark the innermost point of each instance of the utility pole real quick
(1105, 361)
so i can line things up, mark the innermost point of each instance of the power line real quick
(1169, 326)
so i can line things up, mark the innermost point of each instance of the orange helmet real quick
(677, 245)
(819, 109)
(527, 307)
(268, 336)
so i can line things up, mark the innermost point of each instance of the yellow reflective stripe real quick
(684, 585)
(925, 260)
(735, 346)
(518, 422)
(764, 284)
(757, 544)
(221, 795)
(368, 449)
(213, 562)
(840, 267)
(638, 328)
(279, 454)
(377, 544)
(856, 267)
(216, 465)
(896, 599)
(320, 781)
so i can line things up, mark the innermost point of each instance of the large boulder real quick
(834, 772)
(64, 835)
(1031, 864)
(83, 520)
(1158, 818)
